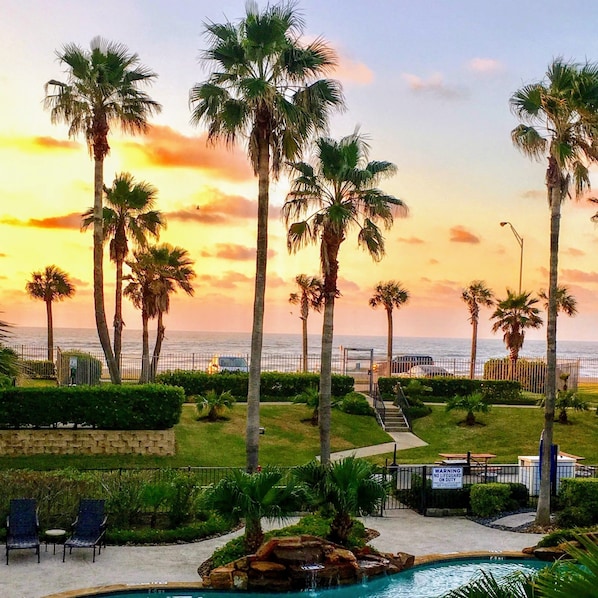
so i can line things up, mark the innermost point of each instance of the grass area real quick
(506, 431)
(288, 441)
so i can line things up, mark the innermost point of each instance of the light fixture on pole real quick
(520, 242)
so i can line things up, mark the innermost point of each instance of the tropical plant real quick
(566, 399)
(215, 403)
(475, 295)
(349, 487)
(309, 297)
(8, 357)
(265, 86)
(311, 397)
(156, 273)
(341, 191)
(513, 316)
(390, 295)
(559, 123)
(50, 285)
(128, 214)
(485, 585)
(102, 90)
(471, 404)
(564, 301)
(265, 494)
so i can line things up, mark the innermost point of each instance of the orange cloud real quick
(579, 276)
(351, 71)
(230, 280)
(37, 144)
(434, 85)
(68, 221)
(460, 235)
(574, 252)
(345, 285)
(3, 254)
(485, 65)
(534, 194)
(410, 240)
(51, 143)
(433, 261)
(165, 147)
(230, 251)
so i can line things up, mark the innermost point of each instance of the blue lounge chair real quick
(22, 526)
(89, 528)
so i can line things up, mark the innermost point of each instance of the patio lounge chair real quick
(22, 526)
(89, 528)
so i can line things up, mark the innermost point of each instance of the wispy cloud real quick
(485, 65)
(574, 252)
(229, 280)
(411, 240)
(459, 234)
(68, 221)
(433, 85)
(38, 144)
(534, 194)
(165, 147)
(230, 251)
(352, 71)
(579, 276)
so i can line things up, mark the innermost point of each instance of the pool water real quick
(428, 581)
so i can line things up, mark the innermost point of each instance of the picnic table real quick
(466, 458)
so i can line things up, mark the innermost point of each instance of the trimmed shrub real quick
(519, 494)
(356, 404)
(110, 407)
(580, 495)
(489, 499)
(41, 370)
(86, 370)
(531, 374)
(435, 499)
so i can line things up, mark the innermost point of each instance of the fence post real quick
(424, 489)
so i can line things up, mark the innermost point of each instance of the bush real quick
(489, 499)
(580, 495)
(435, 499)
(41, 370)
(519, 494)
(86, 370)
(356, 404)
(110, 407)
(531, 374)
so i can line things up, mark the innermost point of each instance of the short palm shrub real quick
(215, 404)
(471, 404)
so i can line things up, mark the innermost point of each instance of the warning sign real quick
(447, 477)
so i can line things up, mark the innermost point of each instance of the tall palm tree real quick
(390, 295)
(475, 295)
(309, 297)
(49, 285)
(267, 87)
(564, 301)
(559, 123)
(128, 213)
(341, 195)
(102, 90)
(513, 316)
(156, 273)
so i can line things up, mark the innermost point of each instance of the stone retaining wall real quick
(87, 442)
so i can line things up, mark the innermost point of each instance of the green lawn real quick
(507, 432)
(288, 441)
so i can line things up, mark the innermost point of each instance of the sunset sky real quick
(428, 82)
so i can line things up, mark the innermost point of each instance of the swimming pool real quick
(426, 581)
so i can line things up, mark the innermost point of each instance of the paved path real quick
(402, 440)
(400, 530)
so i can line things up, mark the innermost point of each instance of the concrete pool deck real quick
(400, 530)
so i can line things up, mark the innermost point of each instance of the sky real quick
(428, 83)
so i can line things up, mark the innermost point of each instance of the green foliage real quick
(38, 369)
(110, 407)
(518, 494)
(274, 386)
(215, 403)
(505, 392)
(531, 374)
(488, 499)
(87, 372)
(580, 497)
(9, 364)
(471, 404)
(356, 404)
(234, 549)
(437, 498)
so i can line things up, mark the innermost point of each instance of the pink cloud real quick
(458, 234)
(434, 85)
(68, 221)
(410, 240)
(485, 65)
(230, 251)
(574, 252)
(579, 276)
(351, 71)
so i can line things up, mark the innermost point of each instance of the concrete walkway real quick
(402, 440)
(400, 530)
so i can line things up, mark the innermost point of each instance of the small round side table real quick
(54, 536)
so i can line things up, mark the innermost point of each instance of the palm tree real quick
(253, 497)
(513, 316)
(156, 273)
(349, 487)
(128, 214)
(342, 194)
(309, 297)
(390, 295)
(476, 294)
(102, 90)
(215, 403)
(265, 86)
(471, 404)
(559, 123)
(51, 284)
(564, 301)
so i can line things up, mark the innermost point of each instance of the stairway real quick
(394, 419)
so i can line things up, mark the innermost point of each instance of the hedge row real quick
(275, 386)
(505, 392)
(110, 407)
(580, 500)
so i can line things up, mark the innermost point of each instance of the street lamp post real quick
(519, 239)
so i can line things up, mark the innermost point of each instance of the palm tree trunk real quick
(144, 346)
(304, 333)
(474, 348)
(157, 347)
(554, 181)
(254, 535)
(325, 409)
(118, 312)
(389, 340)
(257, 331)
(98, 272)
(50, 331)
